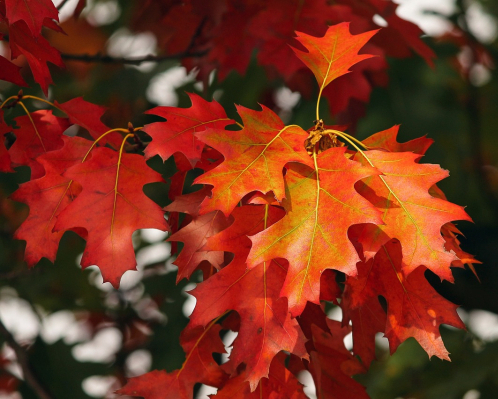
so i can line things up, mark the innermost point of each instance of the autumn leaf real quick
(189, 203)
(367, 320)
(254, 158)
(386, 140)
(37, 51)
(194, 237)
(409, 212)
(37, 133)
(331, 56)
(332, 365)
(111, 207)
(266, 326)
(280, 382)
(88, 116)
(32, 12)
(199, 367)
(46, 198)
(322, 205)
(177, 133)
(10, 72)
(414, 308)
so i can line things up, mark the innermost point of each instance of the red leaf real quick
(266, 326)
(194, 236)
(37, 52)
(331, 56)
(199, 366)
(33, 12)
(38, 133)
(332, 365)
(111, 207)
(281, 383)
(46, 198)
(177, 133)
(88, 115)
(189, 203)
(322, 205)
(414, 308)
(254, 158)
(366, 320)
(399, 36)
(10, 72)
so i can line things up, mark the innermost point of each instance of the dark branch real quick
(106, 59)
(22, 358)
(62, 4)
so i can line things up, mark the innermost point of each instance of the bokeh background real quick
(84, 338)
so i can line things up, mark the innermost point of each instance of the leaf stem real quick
(119, 129)
(318, 103)
(43, 101)
(33, 123)
(7, 100)
(344, 135)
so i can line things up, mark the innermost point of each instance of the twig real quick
(62, 4)
(22, 358)
(106, 59)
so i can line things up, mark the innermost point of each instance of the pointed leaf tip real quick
(331, 56)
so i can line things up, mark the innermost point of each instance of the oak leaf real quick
(111, 207)
(37, 51)
(37, 133)
(322, 205)
(10, 72)
(177, 133)
(88, 116)
(199, 367)
(367, 320)
(194, 236)
(47, 197)
(332, 365)
(266, 326)
(331, 56)
(281, 383)
(409, 212)
(32, 12)
(386, 139)
(414, 308)
(254, 158)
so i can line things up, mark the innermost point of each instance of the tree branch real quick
(22, 358)
(62, 4)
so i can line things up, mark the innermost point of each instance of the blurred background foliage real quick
(84, 338)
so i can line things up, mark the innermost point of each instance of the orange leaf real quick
(322, 205)
(409, 212)
(331, 56)
(254, 158)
